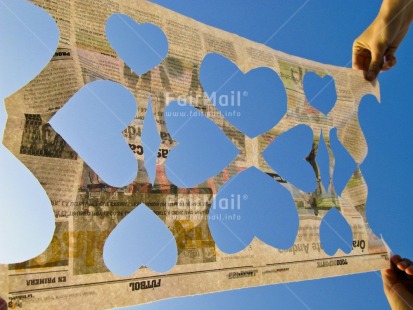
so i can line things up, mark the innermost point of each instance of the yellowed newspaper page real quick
(72, 271)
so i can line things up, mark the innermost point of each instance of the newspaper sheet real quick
(72, 271)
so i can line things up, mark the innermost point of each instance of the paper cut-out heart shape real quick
(335, 233)
(344, 164)
(253, 102)
(203, 150)
(323, 162)
(140, 239)
(151, 141)
(31, 19)
(320, 91)
(92, 121)
(25, 203)
(287, 156)
(141, 46)
(20, 211)
(241, 210)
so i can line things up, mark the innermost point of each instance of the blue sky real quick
(318, 30)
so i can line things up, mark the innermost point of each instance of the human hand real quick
(374, 50)
(3, 304)
(398, 283)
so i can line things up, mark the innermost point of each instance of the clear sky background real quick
(319, 30)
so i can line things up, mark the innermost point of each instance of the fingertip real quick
(396, 258)
(402, 265)
(409, 270)
(370, 75)
(389, 64)
(374, 68)
(389, 57)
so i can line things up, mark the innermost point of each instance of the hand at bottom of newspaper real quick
(3, 304)
(398, 283)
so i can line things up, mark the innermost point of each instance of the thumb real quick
(376, 64)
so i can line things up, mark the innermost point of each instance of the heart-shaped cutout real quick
(92, 121)
(320, 91)
(344, 166)
(287, 156)
(202, 151)
(253, 102)
(150, 141)
(141, 46)
(241, 211)
(23, 212)
(140, 239)
(323, 163)
(36, 28)
(18, 210)
(335, 233)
